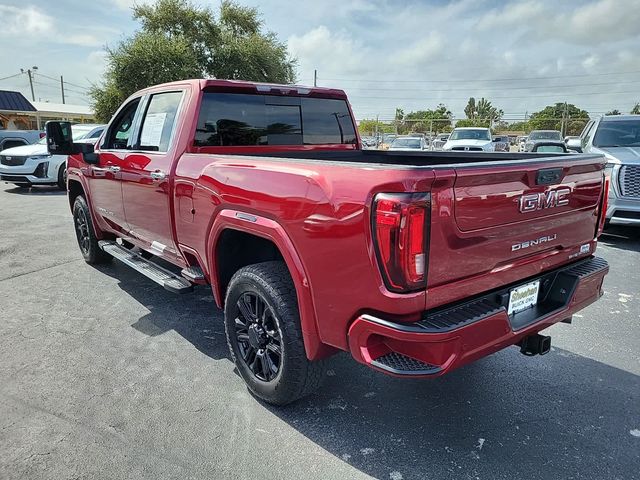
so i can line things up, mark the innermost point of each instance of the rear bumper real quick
(459, 334)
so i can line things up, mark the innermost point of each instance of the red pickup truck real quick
(415, 263)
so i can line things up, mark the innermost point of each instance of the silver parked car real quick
(617, 137)
(542, 136)
(408, 143)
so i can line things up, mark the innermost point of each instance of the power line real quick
(57, 80)
(466, 89)
(11, 76)
(496, 98)
(57, 87)
(480, 79)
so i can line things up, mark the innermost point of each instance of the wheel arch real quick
(76, 187)
(265, 240)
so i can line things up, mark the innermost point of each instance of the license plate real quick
(523, 297)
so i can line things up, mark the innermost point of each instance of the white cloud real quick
(512, 15)
(332, 53)
(83, 40)
(24, 21)
(129, 4)
(594, 23)
(590, 62)
(604, 21)
(34, 25)
(423, 51)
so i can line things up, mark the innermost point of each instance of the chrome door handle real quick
(114, 169)
(158, 175)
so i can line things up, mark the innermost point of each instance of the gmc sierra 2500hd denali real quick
(416, 263)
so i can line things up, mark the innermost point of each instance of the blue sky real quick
(522, 55)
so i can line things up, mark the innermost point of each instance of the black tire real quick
(279, 324)
(62, 177)
(87, 241)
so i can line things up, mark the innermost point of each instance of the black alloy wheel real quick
(259, 341)
(87, 241)
(262, 326)
(82, 231)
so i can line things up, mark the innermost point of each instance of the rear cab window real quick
(231, 119)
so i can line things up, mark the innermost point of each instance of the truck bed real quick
(421, 159)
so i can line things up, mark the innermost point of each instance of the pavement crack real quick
(39, 270)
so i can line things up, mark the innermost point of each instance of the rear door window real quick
(229, 119)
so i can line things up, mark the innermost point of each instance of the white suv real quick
(33, 165)
(470, 139)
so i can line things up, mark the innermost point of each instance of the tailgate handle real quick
(548, 176)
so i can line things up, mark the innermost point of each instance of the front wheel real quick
(62, 177)
(85, 234)
(263, 330)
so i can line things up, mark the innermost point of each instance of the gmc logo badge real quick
(538, 201)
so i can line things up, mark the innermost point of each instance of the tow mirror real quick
(60, 142)
(59, 138)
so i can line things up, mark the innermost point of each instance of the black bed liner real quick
(421, 159)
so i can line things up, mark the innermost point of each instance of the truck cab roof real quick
(253, 87)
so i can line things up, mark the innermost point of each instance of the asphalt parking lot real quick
(103, 374)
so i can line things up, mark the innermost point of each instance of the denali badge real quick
(531, 243)
(537, 201)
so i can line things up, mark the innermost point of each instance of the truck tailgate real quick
(517, 218)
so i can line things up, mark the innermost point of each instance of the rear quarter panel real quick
(324, 209)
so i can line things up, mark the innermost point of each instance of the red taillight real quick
(400, 223)
(42, 135)
(603, 206)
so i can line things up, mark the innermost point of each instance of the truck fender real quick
(273, 231)
(73, 176)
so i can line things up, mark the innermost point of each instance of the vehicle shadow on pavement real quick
(194, 315)
(623, 238)
(42, 190)
(507, 416)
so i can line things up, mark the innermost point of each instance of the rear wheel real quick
(85, 234)
(265, 339)
(62, 177)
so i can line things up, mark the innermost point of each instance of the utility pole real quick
(376, 133)
(315, 78)
(29, 74)
(564, 120)
(62, 88)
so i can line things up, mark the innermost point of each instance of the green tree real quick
(615, 111)
(482, 110)
(519, 127)
(471, 110)
(428, 121)
(178, 40)
(473, 122)
(551, 118)
(370, 127)
(636, 109)
(421, 121)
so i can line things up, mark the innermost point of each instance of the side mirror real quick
(59, 138)
(60, 142)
